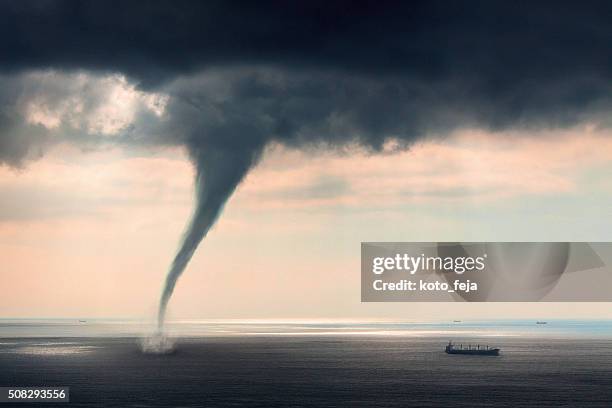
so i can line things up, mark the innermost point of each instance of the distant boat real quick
(456, 321)
(541, 322)
(82, 321)
(477, 350)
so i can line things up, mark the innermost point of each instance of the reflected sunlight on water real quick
(70, 328)
(49, 349)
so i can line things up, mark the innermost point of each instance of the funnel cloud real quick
(219, 171)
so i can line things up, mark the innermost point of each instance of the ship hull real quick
(490, 352)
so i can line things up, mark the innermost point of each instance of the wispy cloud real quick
(472, 166)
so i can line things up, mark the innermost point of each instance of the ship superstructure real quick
(469, 349)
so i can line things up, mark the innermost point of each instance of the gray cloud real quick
(315, 72)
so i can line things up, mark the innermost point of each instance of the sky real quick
(317, 125)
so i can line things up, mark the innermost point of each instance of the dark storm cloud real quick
(383, 69)
(248, 107)
(498, 42)
(15, 143)
(16, 140)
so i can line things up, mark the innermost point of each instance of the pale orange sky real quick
(92, 233)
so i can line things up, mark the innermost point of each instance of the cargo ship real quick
(477, 350)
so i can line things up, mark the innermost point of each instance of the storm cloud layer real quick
(307, 72)
(225, 79)
(500, 42)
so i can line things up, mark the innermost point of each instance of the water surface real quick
(321, 365)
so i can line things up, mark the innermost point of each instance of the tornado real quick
(219, 171)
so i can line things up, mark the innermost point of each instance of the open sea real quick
(263, 364)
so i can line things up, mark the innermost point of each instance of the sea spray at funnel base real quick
(157, 343)
(219, 170)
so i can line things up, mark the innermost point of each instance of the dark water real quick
(321, 371)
